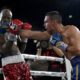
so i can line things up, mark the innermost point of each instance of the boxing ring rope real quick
(36, 57)
(66, 74)
(47, 73)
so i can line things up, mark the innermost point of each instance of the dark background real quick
(33, 11)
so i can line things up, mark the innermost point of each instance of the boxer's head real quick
(6, 16)
(51, 20)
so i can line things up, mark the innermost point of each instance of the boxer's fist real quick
(26, 26)
(61, 45)
(55, 38)
(15, 26)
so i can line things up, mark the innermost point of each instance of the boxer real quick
(13, 63)
(65, 39)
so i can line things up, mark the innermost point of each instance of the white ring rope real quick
(42, 73)
(47, 73)
(27, 56)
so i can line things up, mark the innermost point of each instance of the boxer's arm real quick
(58, 51)
(35, 34)
(21, 45)
(11, 34)
(7, 46)
(74, 45)
(23, 41)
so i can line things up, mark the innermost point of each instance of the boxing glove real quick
(25, 26)
(13, 30)
(15, 26)
(61, 45)
(56, 37)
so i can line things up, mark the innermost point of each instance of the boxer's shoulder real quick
(71, 28)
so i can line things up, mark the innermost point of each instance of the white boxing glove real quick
(10, 37)
(25, 40)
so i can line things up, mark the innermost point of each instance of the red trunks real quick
(16, 71)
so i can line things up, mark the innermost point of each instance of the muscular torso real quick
(68, 37)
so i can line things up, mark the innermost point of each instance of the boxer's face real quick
(6, 20)
(48, 24)
(7, 15)
(4, 26)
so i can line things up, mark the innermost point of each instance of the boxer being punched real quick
(13, 63)
(65, 39)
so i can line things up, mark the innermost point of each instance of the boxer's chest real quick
(65, 35)
(66, 38)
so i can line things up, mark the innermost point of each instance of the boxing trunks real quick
(1, 75)
(15, 68)
(75, 61)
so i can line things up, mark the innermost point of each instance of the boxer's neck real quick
(60, 28)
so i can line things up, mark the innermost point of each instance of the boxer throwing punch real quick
(64, 39)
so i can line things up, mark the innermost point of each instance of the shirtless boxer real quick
(66, 38)
(13, 63)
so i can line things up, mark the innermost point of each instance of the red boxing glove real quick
(15, 26)
(26, 26)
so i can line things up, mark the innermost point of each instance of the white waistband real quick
(73, 57)
(12, 59)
